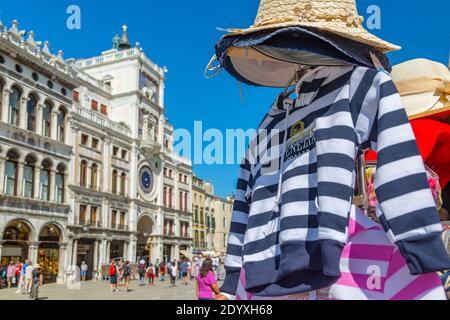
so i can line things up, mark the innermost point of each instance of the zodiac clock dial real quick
(146, 180)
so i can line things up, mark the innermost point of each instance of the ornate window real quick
(83, 173)
(93, 220)
(31, 113)
(114, 181)
(45, 181)
(28, 177)
(14, 106)
(114, 219)
(59, 184)
(11, 174)
(94, 176)
(61, 124)
(47, 119)
(123, 184)
(82, 214)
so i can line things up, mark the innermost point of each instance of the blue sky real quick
(181, 35)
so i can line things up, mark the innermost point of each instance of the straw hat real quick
(423, 84)
(335, 16)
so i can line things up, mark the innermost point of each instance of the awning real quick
(186, 254)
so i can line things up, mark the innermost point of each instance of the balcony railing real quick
(122, 227)
(92, 224)
(102, 120)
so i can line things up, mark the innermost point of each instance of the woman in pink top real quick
(206, 282)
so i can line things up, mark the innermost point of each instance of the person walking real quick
(113, 276)
(36, 281)
(206, 285)
(179, 262)
(17, 272)
(142, 272)
(157, 263)
(126, 274)
(162, 271)
(150, 272)
(10, 274)
(185, 271)
(120, 267)
(2, 276)
(172, 271)
(83, 271)
(22, 281)
(29, 277)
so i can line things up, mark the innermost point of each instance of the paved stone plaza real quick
(99, 290)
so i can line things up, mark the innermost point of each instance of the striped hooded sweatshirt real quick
(296, 184)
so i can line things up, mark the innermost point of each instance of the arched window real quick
(59, 184)
(61, 123)
(14, 106)
(94, 176)
(47, 119)
(31, 113)
(123, 183)
(170, 198)
(186, 202)
(114, 182)
(11, 173)
(83, 173)
(28, 177)
(45, 181)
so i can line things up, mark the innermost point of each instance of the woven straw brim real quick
(357, 34)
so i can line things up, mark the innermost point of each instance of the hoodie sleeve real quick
(406, 207)
(239, 219)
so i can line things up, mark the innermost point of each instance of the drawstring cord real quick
(276, 208)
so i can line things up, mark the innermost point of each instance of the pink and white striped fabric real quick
(372, 268)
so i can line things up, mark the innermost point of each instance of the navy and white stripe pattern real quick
(289, 237)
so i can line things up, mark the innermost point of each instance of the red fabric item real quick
(112, 270)
(433, 139)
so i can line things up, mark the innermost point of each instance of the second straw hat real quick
(424, 85)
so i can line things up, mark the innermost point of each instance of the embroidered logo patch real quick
(300, 141)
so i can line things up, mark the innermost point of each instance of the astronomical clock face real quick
(146, 179)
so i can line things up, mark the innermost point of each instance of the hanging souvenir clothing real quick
(372, 268)
(296, 184)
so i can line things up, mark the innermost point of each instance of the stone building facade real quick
(87, 168)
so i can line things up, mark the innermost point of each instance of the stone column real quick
(66, 192)
(33, 251)
(23, 111)
(1, 249)
(95, 267)
(19, 191)
(176, 251)
(74, 162)
(102, 252)
(62, 266)
(37, 182)
(39, 115)
(172, 252)
(145, 135)
(108, 251)
(2, 175)
(52, 182)
(125, 250)
(5, 105)
(67, 132)
(54, 124)
(106, 187)
(132, 249)
(74, 252)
